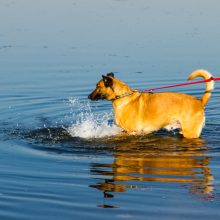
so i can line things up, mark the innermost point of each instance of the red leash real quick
(182, 84)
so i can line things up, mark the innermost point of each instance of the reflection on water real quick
(184, 162)
(139, 162)
(157, 158)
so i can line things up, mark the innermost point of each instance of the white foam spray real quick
(90, 124)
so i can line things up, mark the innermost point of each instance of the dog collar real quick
(124, 95)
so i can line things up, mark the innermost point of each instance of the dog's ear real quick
(108, 81)
(111, 74)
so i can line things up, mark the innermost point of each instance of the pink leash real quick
(182, 84)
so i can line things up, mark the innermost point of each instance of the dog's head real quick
(104, 88)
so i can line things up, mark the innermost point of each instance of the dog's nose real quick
(90, 96)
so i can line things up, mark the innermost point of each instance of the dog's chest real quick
(127, 120)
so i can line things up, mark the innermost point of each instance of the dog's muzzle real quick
(90, 97)
(96, 96)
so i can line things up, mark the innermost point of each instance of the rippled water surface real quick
(60, 155)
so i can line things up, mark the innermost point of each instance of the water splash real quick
(89, 124)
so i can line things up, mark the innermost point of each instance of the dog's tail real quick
(209, 85)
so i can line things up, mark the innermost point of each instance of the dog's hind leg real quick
(192, 128)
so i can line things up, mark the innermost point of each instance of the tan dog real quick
(143, 113)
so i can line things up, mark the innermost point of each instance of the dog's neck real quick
(122, 91)
(120, 88)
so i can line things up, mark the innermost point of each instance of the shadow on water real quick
(137, 161)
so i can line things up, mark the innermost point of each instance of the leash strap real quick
(182, 84)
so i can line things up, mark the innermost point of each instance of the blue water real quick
(59, 158)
